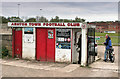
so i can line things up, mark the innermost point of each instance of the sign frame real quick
(46, 24)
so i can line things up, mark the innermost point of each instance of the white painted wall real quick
(28, 48)
(84, 48)
(63, 55)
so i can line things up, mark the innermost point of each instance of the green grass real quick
(103, 34)
(113, 39)
(102, 39)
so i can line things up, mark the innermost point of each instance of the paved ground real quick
(25, 68)
(13, 71)
(106, 65)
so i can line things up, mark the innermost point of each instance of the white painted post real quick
(84, 47)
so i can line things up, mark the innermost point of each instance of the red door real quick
(17, 42)
(51, 45)
(45, 46)
(41, 44)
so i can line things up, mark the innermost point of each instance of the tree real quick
(52, 20)
(79, 20)
(14, 19)
(31, 20)
(43, 19)
(61, 20)
(3, 19)
(67, 20)
(56, 19)
(83, 20)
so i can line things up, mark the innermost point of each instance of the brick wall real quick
(7, 42)
(106, 26)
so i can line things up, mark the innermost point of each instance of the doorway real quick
(76, 46)
(45, 44)
(28, 43)
(17, 42)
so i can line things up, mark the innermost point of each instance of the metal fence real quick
(91, 46)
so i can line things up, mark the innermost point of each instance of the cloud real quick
(88, 10)
(59, 0)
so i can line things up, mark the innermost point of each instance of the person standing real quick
(108, 45)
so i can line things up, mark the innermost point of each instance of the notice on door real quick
(28, 38)
(28, 35)
(50, 34)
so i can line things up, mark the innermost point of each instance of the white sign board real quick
(46, 24)
(28, 38)
(109, 31)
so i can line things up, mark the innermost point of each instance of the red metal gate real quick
(17, 42)
(45, 47)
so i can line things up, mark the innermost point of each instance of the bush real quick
(5, 52)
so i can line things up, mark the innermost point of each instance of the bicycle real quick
(110, 55)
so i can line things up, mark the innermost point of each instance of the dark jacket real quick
(108, 43)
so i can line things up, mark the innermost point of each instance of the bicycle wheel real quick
(107, 56)
(113, 58)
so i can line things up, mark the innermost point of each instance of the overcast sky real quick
(91, 11)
